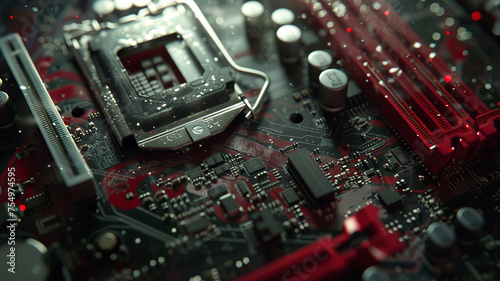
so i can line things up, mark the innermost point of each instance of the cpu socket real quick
(162, 78)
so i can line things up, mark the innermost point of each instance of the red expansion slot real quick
(364, 242)
(432, 109)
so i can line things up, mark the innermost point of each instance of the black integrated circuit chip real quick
(268, 229)
(224, 168)
(195, 225)
(254, 165)
(215, 192)
(389, 196)
(310, 178)
(229, 205)
(37, 203)
(195, 173)
(290, 196)
(370, 173)
(244, 188)
(400, 156)
(214, 160)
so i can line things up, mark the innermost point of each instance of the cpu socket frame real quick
(188, 95)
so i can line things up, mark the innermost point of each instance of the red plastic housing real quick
(334, 258)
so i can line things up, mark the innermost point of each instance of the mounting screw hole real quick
(296, 118)
(77, 111)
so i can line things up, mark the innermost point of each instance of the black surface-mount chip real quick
(229, 205)
(310, 178)
(224, 168)
(215, 192)
(400, 156)
(214, 160)
(195, 173)
(370, 173)
(290, 196)
(268, 229)
(195, 225)
(244, 188)
(389, 196)
(37, 203)
(254, 165)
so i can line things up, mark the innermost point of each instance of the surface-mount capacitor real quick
(289, 43)
(317, 62)
(332, 93)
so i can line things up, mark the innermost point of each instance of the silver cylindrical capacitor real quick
(253, 11)
(7, 114)
(468, 225)
(123, 7)
(103, 7)
(317, 62)
(440, 240)
(374, 273)
(332, 89)
(282, 16)
(289, 43)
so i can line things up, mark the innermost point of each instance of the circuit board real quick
(250, 140)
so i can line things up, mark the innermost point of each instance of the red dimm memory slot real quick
(432, 109)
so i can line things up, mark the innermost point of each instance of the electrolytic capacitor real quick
(103, 7)
(7, 114)
(440, 240)
(289, 43)
(332, 89)
(468, 225)
(253, 11)
(317, 62)
(107, 241)
(282, 16)
(123, 7)
(374, 273)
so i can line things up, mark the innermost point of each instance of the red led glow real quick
(386, 13)
(23, 207)
(349, 29)
(11, 17)
(447, 78)
(476, 16)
